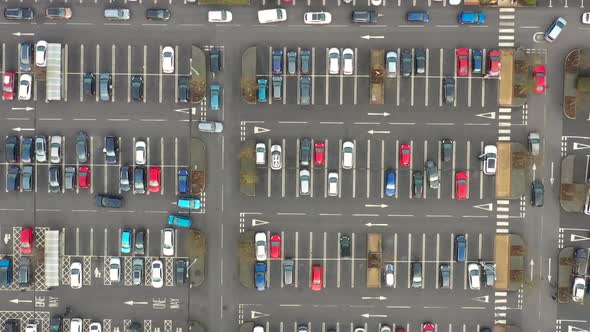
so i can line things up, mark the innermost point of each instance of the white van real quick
(75, 325)
(115, 269)
(272, 15)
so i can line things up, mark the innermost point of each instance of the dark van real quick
(11, 325)
(24, 272)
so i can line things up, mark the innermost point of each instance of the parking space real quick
(431, 250)
(372, 160)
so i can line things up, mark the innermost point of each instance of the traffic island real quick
(565, 274)
(198, 80)
(572, 196)
(247, 257)
(511, 174)
(576, 81)
(198, 166)
(197, 257)
(514, 78)
(509, 253)
(248, 176)
(248, 84)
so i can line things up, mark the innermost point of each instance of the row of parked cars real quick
(426, 326)
(56, 325)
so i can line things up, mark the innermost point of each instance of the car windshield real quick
(462, 182)
(279, 14)
(318, 17)
(24, 82)
(333, 55)
(167, 54)
(348, 150)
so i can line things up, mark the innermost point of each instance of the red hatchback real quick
(8, 86)
(316, 278)
(493, 63)
(84, 177)
(275, 246)
(155, 179)
(427, 327)
(405, 152)
(26, 240)
(461, 185)
(540, 80)
(462, 62)
(319, 154)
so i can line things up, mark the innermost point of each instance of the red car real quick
(84, 177)
(462, 62)
(26, 240)
(405, 152)
(155, 179)
(493, 63)
(8, 86)
(540, 80)
(275, 246)
(427, 327)
(461, 185)
(319, 154)
(316, 278)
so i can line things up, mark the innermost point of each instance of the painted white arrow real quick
(532, 268)
(380, 298)
(259, 130)
(18, 34)
(257, 314)
(379, 132)
(576, 238)
(367, 37)
(580, 146)
(551, 179)
(370, 224)
(484, 299)
(486, 207)
(182, 110)
(382, 114)
(534, 170)
(549, 273)
(23, 129)
(135, 302)
(23, 108)
(367, 315)
(258, 222)
(17, 301)
(6, 238)
(489, 115)
(571, 328)
(377, 205)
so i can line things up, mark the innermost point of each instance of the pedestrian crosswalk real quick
(506, 27)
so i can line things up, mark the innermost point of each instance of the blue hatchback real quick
(390, 183)
(183, 181)
(189, 203)
(180, 221)
(214, 91)
(471, 18)
(476, 61)
(5, 272)
(126, 237)
(277, 62)
(260, 276)
(262, 89)
(461, 245)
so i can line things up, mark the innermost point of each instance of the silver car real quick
(391, 61)
(210, 126)
(276, 162)
(555, 29)
(534, 143)
(40, 149)
(55, 149)
(288, 271)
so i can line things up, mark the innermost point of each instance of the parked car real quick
(13, 179)
(391, 64)
(581, 259)
(432, 174)
(40, 149)
(60, 13)
(105, 86)
(8, 85)
(219, 16)
(25, 56)
(555, 29)
(275, 246)
(215, 60)
(347, 154)
(19, 13)
(304, 182)
(292, 62)
(316, 278)
(180, 272)
(461, 185)
(111, 149)
(26, 240)
(534, 143)
(333, 184)
(305, 62)
(126, 241)
(84, 177)
(179, 220)
(55, 149)
(183, 181)
(347, 61)
(288, 271)
(537, 193)
(157, 14)
(168, 242)
(54, 179)
(317, 18)
(474, 276)
(277, 62)
(125, 178)
(183, 90)
(418, 184)
(390, 182)
(137, 87)
(449, 90)
(305, 152)
(540, 81)
(489, 273)
(319, 154)
(489, 157)
(364, 16)
(109, 201)
(25, 86)
(277, 87)
(55, 324)
(389, 275)
(578, 289)
(460, 248)
(416, 275)
(82, 152)
(445, 276)
(41, 53)
(260, 153)
(334, 61)
(88, 84)
(157, 274)
(168, 60)
(5, 272)
(262, 90)
(210, 126)
(305, 90)
(28, 179)
(471, 18)
(420, 58)
(462, 62)
(139, 242)
(427, 327)
(276, 157)
(137, 271)
(406, 63)
(345, 246)
(493, 63)
(260, 276)
(405, 151)
(12, 149)
(261, 244)
(70, 178)
(418, 16)
(155, 179)
(76, 275)
(476, 61)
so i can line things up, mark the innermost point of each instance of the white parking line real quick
(133, 161)
(97, 70)
(148, 162)
(312, 78)
(341, 87)
(145, 73)
(397, 168)
(483, 82)
(339, 167)
(409, 258)
(456, 81)
(425, 185)
(66, 62)
(176, 168)
(325, 263)
(113, 72)
(469, 79)
(338, 265)
(465, 262)
(128, 73)
(437, 264)
(355, 88)
(411, 191)
(353, 244)
(395, 260)
(382, 170)
(398, 76)
(162, 169)
(368, 168)
(468, 157)
(310, 258)
(439, 163)
(160, 75)
(282, 257)
(354, 170)
(296, 166)
(412, 79)
(481, 172)
(453, 170)
(440, 80)
(479, 246)
(296, 259)
(268, 169)
(283, 168)
(426, 80)
(82, 73)
(176, 70)
(327, 75)
(423, 254)
(452, 260)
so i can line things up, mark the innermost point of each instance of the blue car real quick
(471, 18)
(461, 247)
(390, 183)
(183, 181)
(126, 241)
(260, 276)
(180, 221)
(262, 89)
(5, 272)
(214, 91)
(476, 61)
(277, 62)
(189, 203)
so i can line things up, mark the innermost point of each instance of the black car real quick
(406, 63)
(364, 16)
(24, 272)
(157, 14)
(54, 179)
(70, 178)
(25, 57)
(11, 325)
(125, 178)
(26, 152)
(305, 62)
(55, 324)
(134, 327)
(345, 246)
(489, 273)
(180, 272)
(449, 90)
(21, 13)
(139, 180)
(446, 147)
(418, 184)
(537, 193)
(581, 258)
(82, 147)
(13, 179)
(28, 178)
(111, 149)
(420, 56)
(12, 149)
(138, 245)
(137, 87)
(183, 89)
(88, 84)
(108, 201)
(305, 152)
(214, 60)
(305, 93)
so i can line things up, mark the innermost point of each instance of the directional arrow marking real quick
(258, 222)
(23, 108)
(372, 37)
(575, 329)
(580, 146)
(484, 299)
(378, 132)
(23, 129)
(17, 301)
(551, 179)
(258, 314)
(377, 205)
(575, 238)
(486, 207)
(260, 130)
(367, 315)
(369, 224)
(380, 298)
(135, 302)
(489, 115)
(382, 114)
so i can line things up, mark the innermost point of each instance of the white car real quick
(276, 162)
(454, 2)
(376, 2)
(31, 327)
(347, 154)
(317, 18)
(55, 149)
(334, 61)
(41, 53)
(157, 274)
(332, 184)
(140, 152)
(76, 275)
(258, 328)
(260, 153)
(219, 16)
(474, 276)
(490, 153)
(348, 61)
(95, 327)
(385, 328)
(391, 64)
(586, 18)
(359, 329)
(260, 242)
(115, 269)
(578, 290)
(168, 242)
(25, 85)
(168, 60)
